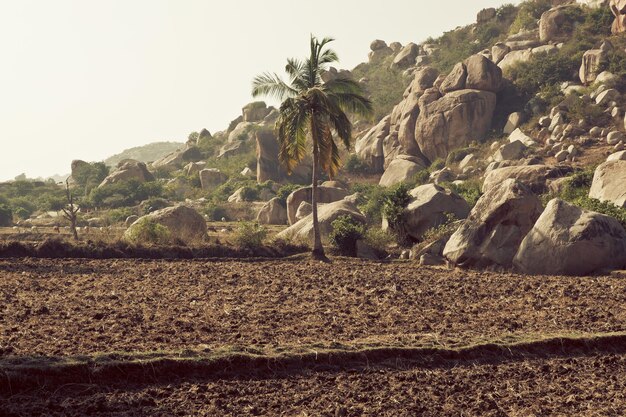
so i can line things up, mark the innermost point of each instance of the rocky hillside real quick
(146, 153)
(500, 144)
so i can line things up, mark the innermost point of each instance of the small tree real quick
(70, 212)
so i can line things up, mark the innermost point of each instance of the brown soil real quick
(577, 386)
(70, 307)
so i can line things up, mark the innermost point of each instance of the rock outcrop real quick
(609, 183)
(273, 212)
(552, 25)
(454, 121)
(618, 7)
(401, 169)
(324, 195)
(129, 170)
(430, 207)
(492, 233)
(255, 111)
(182, 222)
(211, 178)
(327, 213)
(369, 147)
(533, 176)
(567, 240)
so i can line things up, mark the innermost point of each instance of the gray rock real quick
(495, 227)
(609, 183)
(567, 240)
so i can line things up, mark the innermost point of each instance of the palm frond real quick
(268, 84)
(292, 125)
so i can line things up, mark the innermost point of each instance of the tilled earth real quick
(72, 307)
(578, 386)
(68, 307)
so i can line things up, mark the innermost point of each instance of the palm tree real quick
(312, 113)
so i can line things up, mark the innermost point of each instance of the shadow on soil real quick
(56, 248)
(21, 374)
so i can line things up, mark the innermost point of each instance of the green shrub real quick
(124, 194)
(469, 190)
(379, 239)
(528, 15)
(249, 235)
(153, 204)
(285, 190)
(576, 191)
(370, 202)
(356, 165)
(345, 232)
(445, 229)
(385, 85)
(394, 203)
(24, 206)
(51, 202)
(215, 212)
(249, 193)
(119, 215)
(421, 178)
(6, 215)
(148, 231)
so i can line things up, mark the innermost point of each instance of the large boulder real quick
(486, 15)
(609, 183)
(324, 195)
(267, 164)
(182, 222)
(211, 178)
(499, 51)
(618, 7)
(515, 57)
(423, 80)
(482, 74)
(495, 227)
(272, 212)
(510, 151)
(401, 169)
(591, 64)
(255, 111)
(379, 51)
(455, 80)
(535, 177)
(567, 240)
(406, 56)
(552, 25)
(326, 213)
(369, 147)
(129, 170)
(430, 207)
(454, 121)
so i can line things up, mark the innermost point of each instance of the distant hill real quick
(146, 153)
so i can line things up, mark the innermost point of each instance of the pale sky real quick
(85, 79)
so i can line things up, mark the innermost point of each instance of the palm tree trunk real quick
(318, 249)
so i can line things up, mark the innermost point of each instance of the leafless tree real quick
(70, 212)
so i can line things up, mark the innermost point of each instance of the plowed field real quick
(60, 310)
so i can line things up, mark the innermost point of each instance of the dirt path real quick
(68, 307)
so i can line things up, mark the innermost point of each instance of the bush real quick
(249, 235)
(394, 203)
(378, 239)
(215, 212)
(370, 202)
(355, 165)
(124, 194)
(119, 215)
(445, 229)
(153, 204)
(285, 190)
(6, 215)
(528, 15)
(385, 85)
(345, 232)
(576, 191)
(469, 190)
(148, 231)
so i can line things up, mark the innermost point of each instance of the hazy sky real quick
(84, 79)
